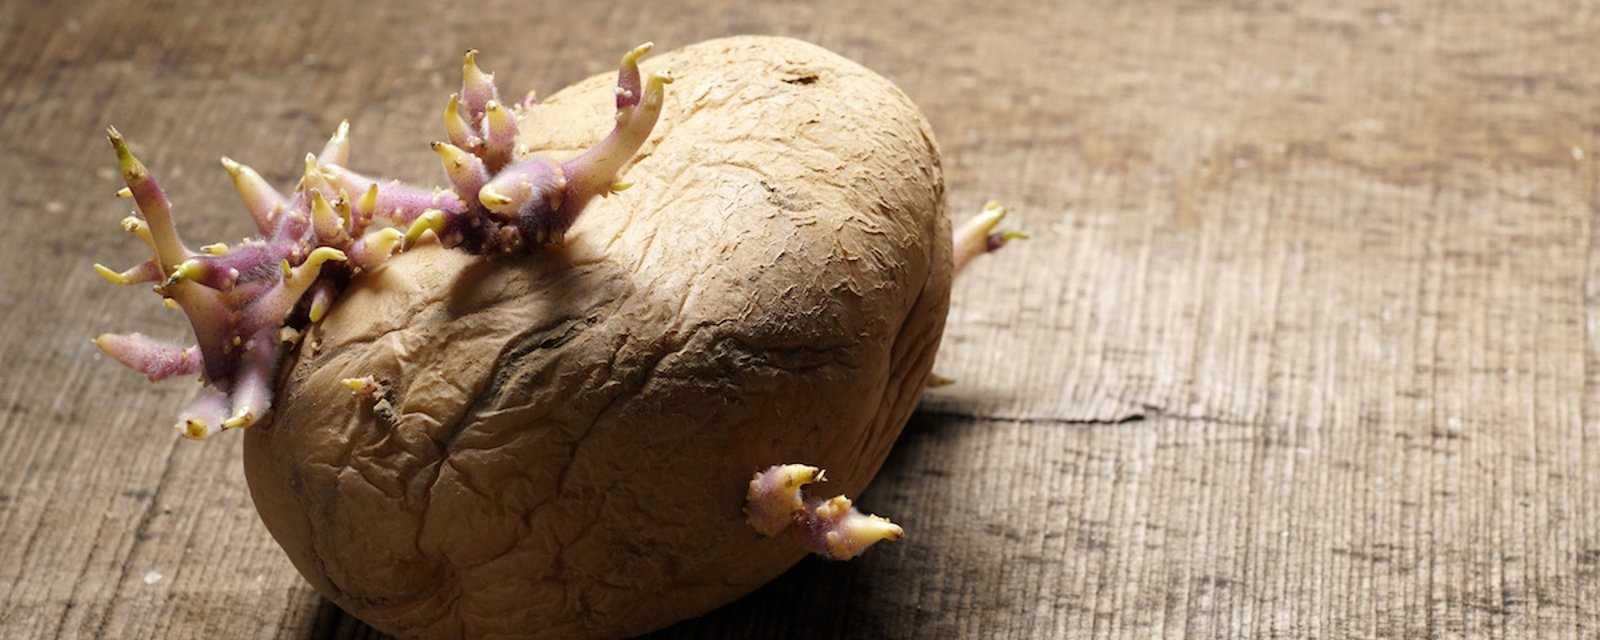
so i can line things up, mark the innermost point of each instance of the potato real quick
(561, 443)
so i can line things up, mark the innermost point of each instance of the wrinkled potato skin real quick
(564, 441)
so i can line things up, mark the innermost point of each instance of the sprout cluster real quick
(776, 504)
(249, 303)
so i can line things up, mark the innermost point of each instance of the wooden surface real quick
(1304, 344)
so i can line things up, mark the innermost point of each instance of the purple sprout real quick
(776, 504)
(981, 235)
(249, 303)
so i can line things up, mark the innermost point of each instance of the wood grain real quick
(1303, 346)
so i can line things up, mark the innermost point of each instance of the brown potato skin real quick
(564, 440)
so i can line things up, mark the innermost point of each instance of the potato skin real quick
(564, 440)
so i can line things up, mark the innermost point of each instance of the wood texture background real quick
(1304, 344)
